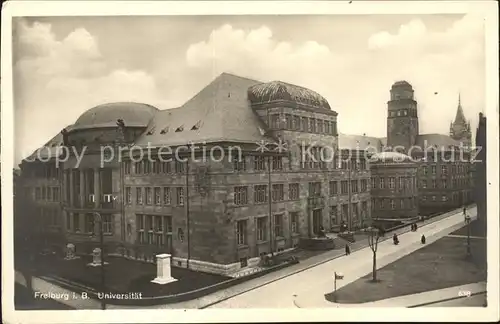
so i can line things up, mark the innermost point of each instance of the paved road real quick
(306, 289)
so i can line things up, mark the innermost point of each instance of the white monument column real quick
(163, 274)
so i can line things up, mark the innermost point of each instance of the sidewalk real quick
(205, 301)
(362, 264)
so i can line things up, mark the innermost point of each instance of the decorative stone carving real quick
(70, 252)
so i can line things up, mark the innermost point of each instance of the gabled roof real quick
(219, 112)
(439, 140)
(359, 142)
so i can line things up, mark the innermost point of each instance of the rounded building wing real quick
(133, 115)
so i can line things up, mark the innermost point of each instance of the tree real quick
(373, 238)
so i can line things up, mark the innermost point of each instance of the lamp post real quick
(98, 219)
(467, 220)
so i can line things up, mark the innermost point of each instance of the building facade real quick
(242, 169)
(394, 186)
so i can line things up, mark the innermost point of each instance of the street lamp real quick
(98, 219)
(467, 220)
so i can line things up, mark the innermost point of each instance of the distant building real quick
(296, 175)
(460, 128)
(480, 170)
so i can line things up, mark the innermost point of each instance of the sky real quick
(64, 66)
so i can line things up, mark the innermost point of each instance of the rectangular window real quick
(312, 125)
(278, 192)
(126, 167)
(444, 198)
(107, 223)
(278, 225)
(141, 239)
(334, 215)
(76, 222)
(241, 232)
(44, 193)
(354, 186)
(294, 222)
(444, 170)
(304, 124)
(259, 163)
(239, 163)
(139, 199)
(391, 183)
(327, 127)
(89, 223)
(344, 187)
(434, 183)
(288, 121)
(433, 168)
(157, 196)
(293, 191)
(277, 163)
(320, 126)
(240, 195)
(374, 183)
(393, 204)
(364, 185)
(166, 167)
(424, 184)
(262, 228)
(364, 209)
(179, 167)
(180, 196)
(424, 170)
(433, 198)
(128, 195)
(149, 196)
(382, 183)
(314, 189)
(167, 196)
(445, 184)
(147, 167)
(275, 121)
(296, 123)
(49, 194)
(333, 188)
(260, 194)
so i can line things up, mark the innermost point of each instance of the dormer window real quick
(196, 126)
(179, 129)
(164, 131)
(151, 131)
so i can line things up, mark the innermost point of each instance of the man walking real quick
(347, 249)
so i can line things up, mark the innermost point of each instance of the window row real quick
(303, 124)
(159, 196)
(399, 183)
(262, 226)
(340, 213)
(154, 167)
(44, 171)
(47, 194)
(443, 183)
(453, 168)
(154, 230)
(397, 203)
(261, 193)
(344, 187)
(259, 163)
(455, 197)
(89, 223)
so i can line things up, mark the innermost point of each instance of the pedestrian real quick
(412, 227)
(416, 226)
(422, 239)
(347, 249)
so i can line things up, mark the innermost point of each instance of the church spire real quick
(460, 117)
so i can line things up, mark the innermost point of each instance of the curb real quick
(446, 299)
(320, 263)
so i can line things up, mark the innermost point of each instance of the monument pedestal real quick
(163, 270)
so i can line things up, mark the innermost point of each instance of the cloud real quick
(357, 83)
(56, 80)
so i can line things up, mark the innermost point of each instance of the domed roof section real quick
(278, 90)
(401, 84)
(133, 115)
(390, 157)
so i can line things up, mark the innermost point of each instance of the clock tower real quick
(402, 118)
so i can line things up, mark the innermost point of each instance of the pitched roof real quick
(439, 140)
(219, 112)
(49, 149)
(359, 142)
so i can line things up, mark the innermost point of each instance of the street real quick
(306, 289)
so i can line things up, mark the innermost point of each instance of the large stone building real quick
(242, 169)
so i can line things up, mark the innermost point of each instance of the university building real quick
(242, 169)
